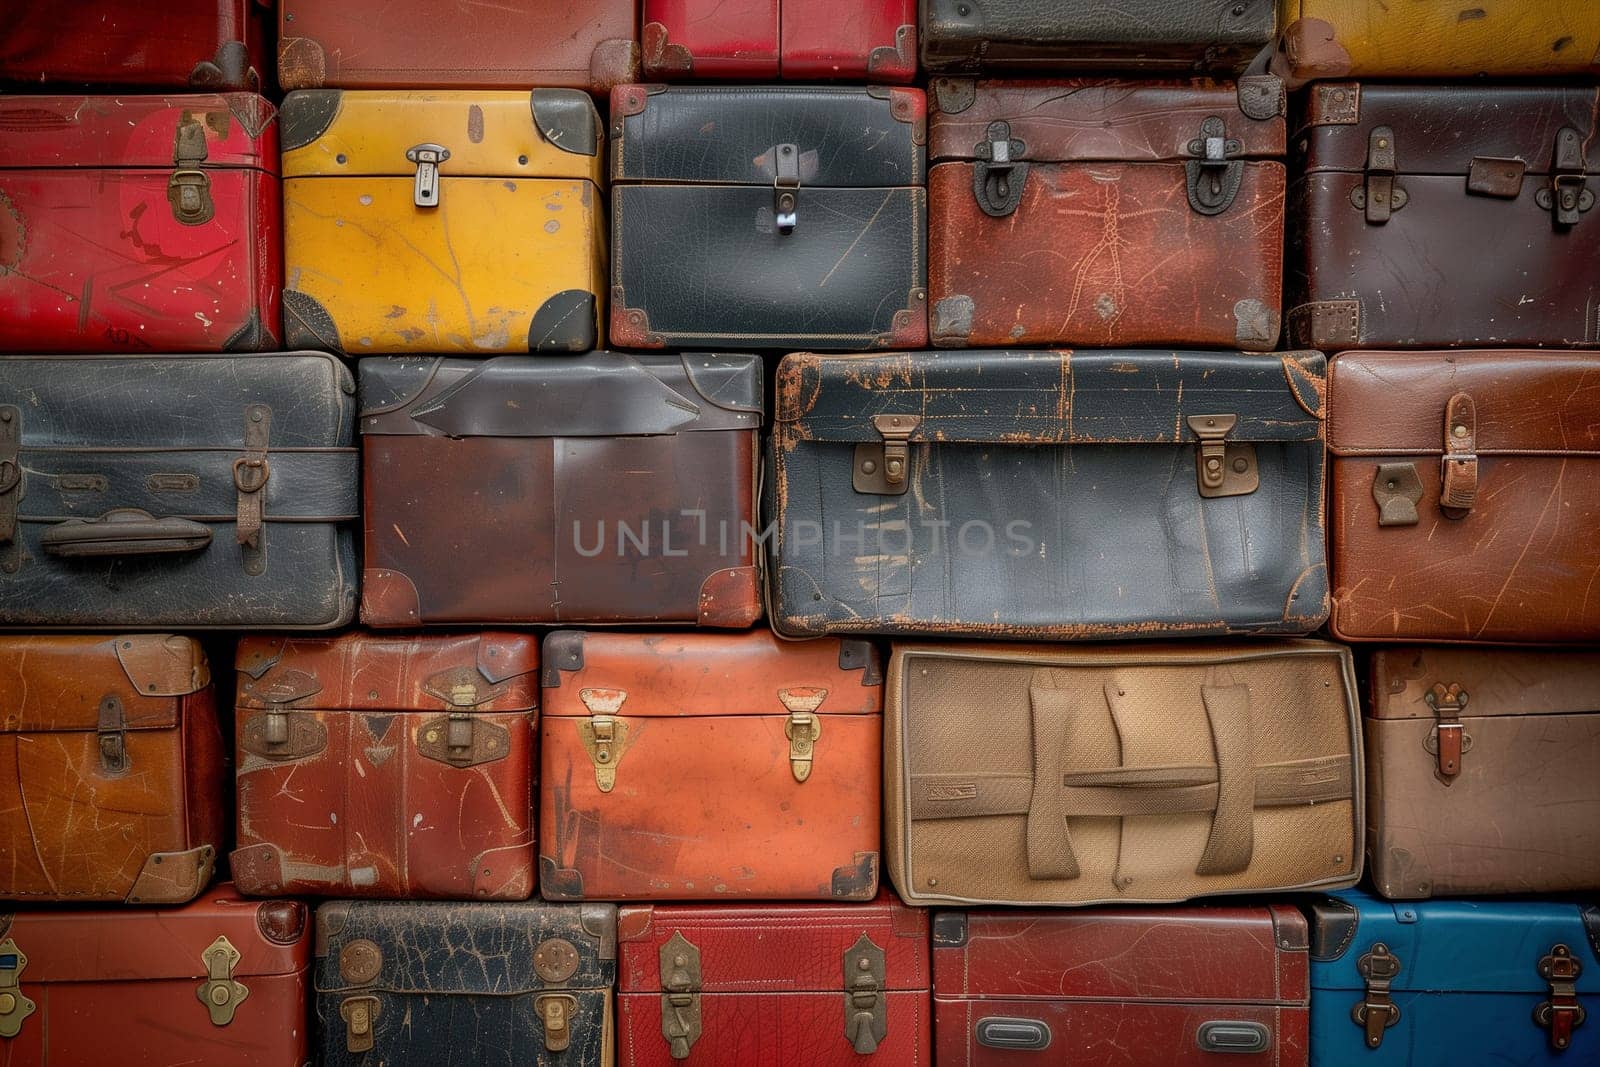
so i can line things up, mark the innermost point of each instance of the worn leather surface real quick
(1122, 986)
(482, 528)
(457, 44)
(1521, 813)
(1402, 283)
(77, 827)
(1074, 477)
(161, 434)
(765, 39)
(1128, 773)
(1132, 34)
(116, 988)
(772, 982)
(391, 821)
(712, 709)
(1514, 568)
(93, 257)
(1467, 987)
(203, 44)
(449, 975)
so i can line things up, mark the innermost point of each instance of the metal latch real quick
(111, 733)
(427, 157)
(803, 728)
(251, 472)
(786, 187)
(219, 992)
(1568, 195)
(881, 468)
(360, 1014)
(1458, 467)
(1221, 468)
(604, 736)
(1448, 738)
(10, 474)
(866, 1006)
(1377, 1012)
(1397, 489)
(1379, 195)
(1562, 1013)
(680, 996)
(998, 171)
(1214, 172)
(555, 1011)
(189, 188)
(14, 1007)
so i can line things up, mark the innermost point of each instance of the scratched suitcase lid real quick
(1452, 946)
(844, 137)
(223, 130)
(542, 133)
(1488, 682)
(42, 680)
(598, 394)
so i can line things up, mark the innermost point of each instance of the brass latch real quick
(1562, 1013)
(604, 736)
(1379, 195)
(1214, 171)
(112, 736)
(1223, 469)
(1458, 468)
(998, 172)
(803, 728)
(881, 468)
(1397, 490)
(360, 1015)
(1377, 1011)
(1448, 738)
(14, 1007)
(555, 1011)
(680, 996)
(189, 188)
(786, 187)
(219, 992)
(866, 1006)
(1568, 195)
(427, 157)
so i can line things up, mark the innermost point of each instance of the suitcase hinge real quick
(10, 482)
(1214, 173)
(219, 992)
(1221, 468)
(786, 187)
(189, 188)
(604, 735)
(359, 1015)
(1448, 739)
(1377, 1012)
(111, 731)
(555, 1012)
(1379, 196)
(1562, 1013)
(881, 468)
(866, 1007)
(1397, 489)
(427, 157)
(1568, 195)
(14, 1007)
(251, 472)
(680, 997)
(998, 172)
(803, 728)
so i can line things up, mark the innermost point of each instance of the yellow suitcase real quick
(463, 222)
(1437, 38)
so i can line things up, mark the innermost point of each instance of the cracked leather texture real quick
(161, 434)
(1125, 987)
(456, 983)
(1081, 468)
(163, 48)
(1467, 986)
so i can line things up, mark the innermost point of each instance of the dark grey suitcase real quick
(177, 492)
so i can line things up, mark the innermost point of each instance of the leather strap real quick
(251, 472)
(1460, 464)
(10, 470)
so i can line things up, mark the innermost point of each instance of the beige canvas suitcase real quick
(1140, 773)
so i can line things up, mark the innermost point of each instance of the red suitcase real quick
(132, 224)
(174, 44)
(797, 985)
(220, 982)
(810, 40)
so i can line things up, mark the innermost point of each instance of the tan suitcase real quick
(1144, 773)
(1484, 772)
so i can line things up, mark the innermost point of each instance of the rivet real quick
(679, 961)
(341, 158)
(5, 416)
(1460, 431)
(1391, 483)
(867, 466)
(432, 736)
(1383, 142)
(863, 964)
(1240, 465)
(1213, 464)
(522, 161)
(219, 995)
(933, 881)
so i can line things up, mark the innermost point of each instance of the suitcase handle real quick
(125, 532)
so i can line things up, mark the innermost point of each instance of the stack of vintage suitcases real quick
(726, 515)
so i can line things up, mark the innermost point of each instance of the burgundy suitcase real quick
(759, 40)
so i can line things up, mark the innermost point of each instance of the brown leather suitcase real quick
(1135, 773)
(781, 740)
(1106, 212)
(1483, 772)
(1465, 496)
(387, 766)
(111, 769)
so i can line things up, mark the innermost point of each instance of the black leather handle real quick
(125, 532)
(1244, 1038)
(1022, 1035)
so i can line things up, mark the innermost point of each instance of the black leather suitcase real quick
(768, 217)
(1048, 494)
(177, 492)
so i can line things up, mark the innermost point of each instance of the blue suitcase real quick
(1452, 983)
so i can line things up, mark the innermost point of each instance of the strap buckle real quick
(786, 187)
